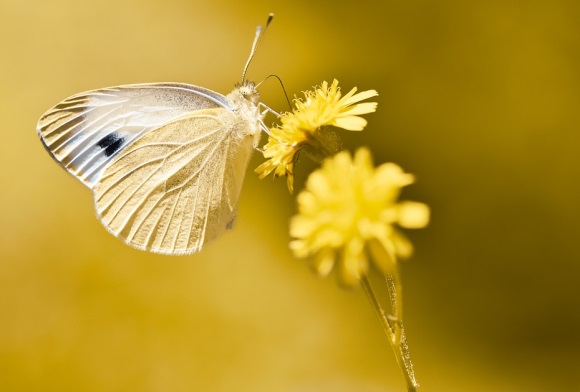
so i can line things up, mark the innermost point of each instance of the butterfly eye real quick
(111, 143)
(247, 89)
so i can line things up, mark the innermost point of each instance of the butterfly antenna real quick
(281, 84)
(259, 34)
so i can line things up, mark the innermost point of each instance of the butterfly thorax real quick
(243, 100)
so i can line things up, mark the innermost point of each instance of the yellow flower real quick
(305, 127)
(347, 210)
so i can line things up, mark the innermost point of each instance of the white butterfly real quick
(165, 161)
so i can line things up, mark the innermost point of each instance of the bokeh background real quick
(479, 99)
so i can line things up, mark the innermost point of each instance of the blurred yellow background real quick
(478, 99)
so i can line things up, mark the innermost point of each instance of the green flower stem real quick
(398, 343)
(396, 298)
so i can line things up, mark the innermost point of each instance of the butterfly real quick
(165, 161)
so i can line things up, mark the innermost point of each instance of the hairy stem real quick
(395, 331)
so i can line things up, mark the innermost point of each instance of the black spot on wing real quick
(111, 143)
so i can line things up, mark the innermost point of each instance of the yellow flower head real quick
(304, 126)
(348, 208)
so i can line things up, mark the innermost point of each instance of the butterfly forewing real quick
(165, 161)
(87, 131)
(175, 188)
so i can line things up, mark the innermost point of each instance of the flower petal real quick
(361, 108)
(413, 215)
(359, 97)
(353, 265)
(382, 257)
(300, 248)
(403, 247)
(324, 262)
(351, 123)
(344, 100)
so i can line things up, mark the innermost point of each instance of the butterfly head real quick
(248, 90)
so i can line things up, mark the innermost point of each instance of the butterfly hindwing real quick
(175, 188)
(165, 161)
(87, 131)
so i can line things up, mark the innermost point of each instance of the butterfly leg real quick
(264, 127)
(265, 109)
